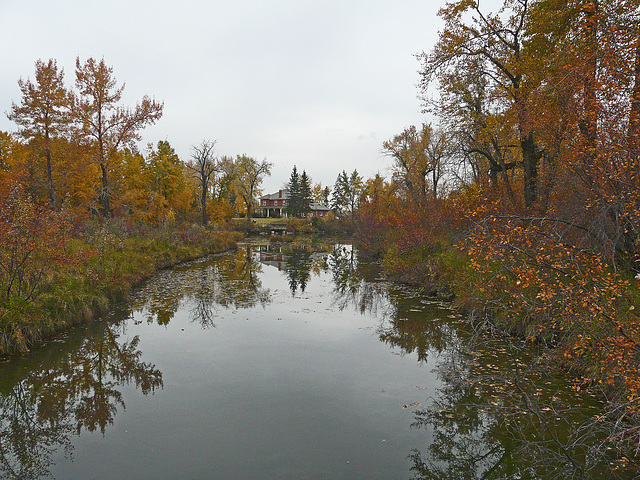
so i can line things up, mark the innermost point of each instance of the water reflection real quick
(419, 326)
(298, 262)
(78, 388)
(358, 283)
(497, 413)
(466, 439)
(229, 281)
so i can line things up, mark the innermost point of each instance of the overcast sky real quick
(318, 84)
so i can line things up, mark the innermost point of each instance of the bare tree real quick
(203, 166)
(250, 176)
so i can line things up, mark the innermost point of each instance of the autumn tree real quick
(567, 275)
(250, 174)
(347, 192)
(167, 175)
(380, 212)
(494, 42)
(135, 199)
(225, 195)
(419, 161)
(43, 113)
(410, 163)
(9, 150)
(203, 168)
(34, 243)
(105, 124)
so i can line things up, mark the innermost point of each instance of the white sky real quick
(319, 84)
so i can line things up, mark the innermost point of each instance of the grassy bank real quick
(90, 270)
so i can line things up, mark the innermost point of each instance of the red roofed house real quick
(275, 204)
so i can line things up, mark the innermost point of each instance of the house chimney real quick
(280, 193)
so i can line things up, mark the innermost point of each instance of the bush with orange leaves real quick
(534, 278)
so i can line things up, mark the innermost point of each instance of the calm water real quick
(295, 363)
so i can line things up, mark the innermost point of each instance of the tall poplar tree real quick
(250, 174)
(347, 192)
(43, 112)
(496, 44)
(203, 167)
(103, 123)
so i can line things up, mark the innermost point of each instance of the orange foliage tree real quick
(104, 125)
(540, 103)
(43, 113)
(558, 262)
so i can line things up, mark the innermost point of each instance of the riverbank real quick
(88, 270)
(576, 310)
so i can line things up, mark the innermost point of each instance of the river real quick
(288, 363)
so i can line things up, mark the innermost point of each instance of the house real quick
(318, 210)
(275, 204)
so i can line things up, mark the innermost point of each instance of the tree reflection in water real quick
(497, 414)
(79, 389)
(229, 281)
(298, 269)
(297, 261)
(357, 283)
(407, 318)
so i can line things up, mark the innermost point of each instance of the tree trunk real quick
(203, 205)
(104, 194)
(52, 200)
(248, 210)
(530, 158)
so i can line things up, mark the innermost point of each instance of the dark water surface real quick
(296, 363)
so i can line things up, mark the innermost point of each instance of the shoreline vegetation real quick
(515, 283)
(75, 275)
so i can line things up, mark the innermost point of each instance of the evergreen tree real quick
(339, 196)
(305, 193)
(294, 206)
(325, 195)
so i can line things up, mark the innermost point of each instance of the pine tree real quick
(294, 206)
(339, 196)
(325, 195)
(305, 193)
